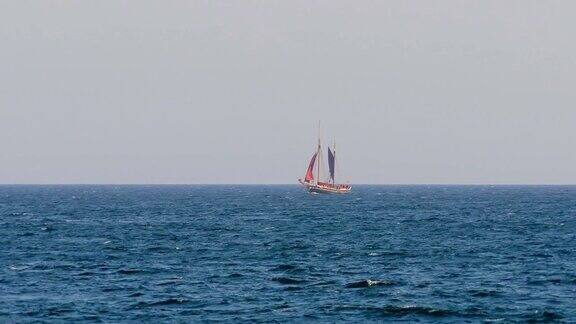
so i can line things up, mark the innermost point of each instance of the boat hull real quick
(326, 188)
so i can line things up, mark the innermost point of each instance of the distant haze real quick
(439, 92)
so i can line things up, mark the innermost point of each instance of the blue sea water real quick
(276, 253)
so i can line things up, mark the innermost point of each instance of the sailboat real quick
(312, 178)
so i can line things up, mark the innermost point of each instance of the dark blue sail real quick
(331, 163)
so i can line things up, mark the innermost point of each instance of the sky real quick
(201, 92)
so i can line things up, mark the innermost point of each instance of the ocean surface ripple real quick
(448, 254)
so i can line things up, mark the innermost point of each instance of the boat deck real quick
(324, 187)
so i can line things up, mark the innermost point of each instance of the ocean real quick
(449, 254)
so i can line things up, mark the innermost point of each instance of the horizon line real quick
(284, 184)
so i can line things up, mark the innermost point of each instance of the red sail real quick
(310, 173)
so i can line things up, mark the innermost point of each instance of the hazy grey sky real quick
(231, 91)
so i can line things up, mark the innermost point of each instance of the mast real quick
(319, 155)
